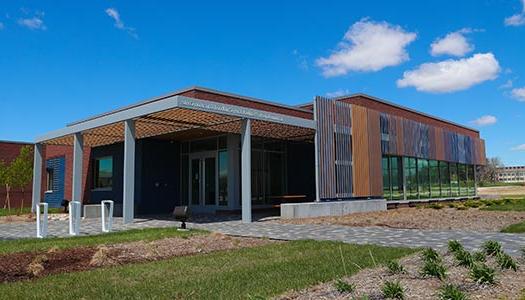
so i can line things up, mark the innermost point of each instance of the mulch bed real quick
(30, 265)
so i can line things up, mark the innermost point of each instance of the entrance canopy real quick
(181, 113)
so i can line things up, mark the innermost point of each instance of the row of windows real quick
(425, 178)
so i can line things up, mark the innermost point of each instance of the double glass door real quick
(203, 180)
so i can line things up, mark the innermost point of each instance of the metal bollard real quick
(74, 217)
(41, 223)
(106, 223)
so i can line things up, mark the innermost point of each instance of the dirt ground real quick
(423, 218)
(501, 191)
(28, 265)
(369, 282)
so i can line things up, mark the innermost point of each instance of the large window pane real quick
(411, 177)
(462, 174)
(386, 178)
(444, 176)
(223, 178)
(471, 180)
(396, 177)
(454, 181)
(103, 172)
(423, 178)
(435, 187)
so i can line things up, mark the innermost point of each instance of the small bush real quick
(491, 248)
(464, 258)
(483, 274)
(451, 292)
(505, 261)
(430, 254)
(479, 256)
(472, 204)
(451, 204)
(461, 207)
(436, 206)
(393, 290)
(454, 246)
(435, 269)
(344, 287)
(394, 267)
(523, 253)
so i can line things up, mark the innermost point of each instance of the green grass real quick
(26, 210)
(508, 204)
(148, 234)
(249, 273)
(492, 184)
(515, 228)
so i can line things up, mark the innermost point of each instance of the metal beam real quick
(246, 171)
(129, 171)
(316, 158)
(78, 155)
(37, 176)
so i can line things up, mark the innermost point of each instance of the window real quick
(462, 175)
(223, 178)
(386, 179)
(444, 175)
(50, 178)
(423, 178)
(435, 187)
(103, 173)
(454, 182)
(396, 171)
(411, 177)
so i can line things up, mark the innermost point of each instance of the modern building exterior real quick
(511, 174)
(220, 152)
(9, 150)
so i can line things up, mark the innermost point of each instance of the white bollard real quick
(74, 217)
(106, 222)
(41, 223)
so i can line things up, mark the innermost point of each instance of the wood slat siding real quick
(421, 140)
(361, 159)
(374, 153)
(334, 120)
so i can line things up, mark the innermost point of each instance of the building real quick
(217, 151)
(515, 174)
(9, 150)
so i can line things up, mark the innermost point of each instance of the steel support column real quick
(128, 201)
(78, 155)
(37, 176)
(246, 171)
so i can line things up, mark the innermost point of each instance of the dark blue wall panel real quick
(56, 195)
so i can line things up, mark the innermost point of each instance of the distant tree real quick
(4, 181)
(489, 172)
(21, 171)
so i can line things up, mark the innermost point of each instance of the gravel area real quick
(423, 218)
(510, 284)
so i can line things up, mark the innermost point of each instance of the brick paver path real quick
(512, 243)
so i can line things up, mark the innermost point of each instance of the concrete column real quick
(246, 171)
(37, 176)
(128, 198)
(316, 154)
(78, 156)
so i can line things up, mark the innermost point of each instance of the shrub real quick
(464, 258)
(461, 207)
(451, 292)
(491, 247)
(435, 269)
(435, 206)
(483, 274)
(523, 252)
(344, 287)
(479, 256)
(472, 203)
(394, 267)
(454, 246)
(393, 290)
(430, 254)
(505, 261)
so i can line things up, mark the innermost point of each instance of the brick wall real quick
(8, 152)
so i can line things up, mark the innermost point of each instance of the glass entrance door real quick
(203, 181)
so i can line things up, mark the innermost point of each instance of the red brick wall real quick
(8, 152)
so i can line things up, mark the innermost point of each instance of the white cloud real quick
(368, 46)
(115, 15)
(454, 43)
(452, 75)
(519, 93)
(507, 85)
(519, 148)
(338, 93)
(485, 120)
(34, 23)
(517, 19)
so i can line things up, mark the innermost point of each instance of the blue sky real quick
(461, 60)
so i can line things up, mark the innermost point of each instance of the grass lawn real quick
(248, 273)
(148, 234)
(26, 210)
(515, 228)
(508, 204)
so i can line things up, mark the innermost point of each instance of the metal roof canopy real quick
(178, 113)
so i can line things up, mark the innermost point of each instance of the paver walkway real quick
(512, 243)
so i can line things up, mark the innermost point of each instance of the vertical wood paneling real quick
(360, 152)
(400, 136)
(374, 153)
(440, 146)
(325, 141)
